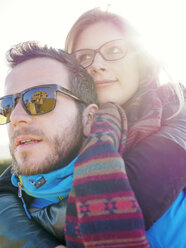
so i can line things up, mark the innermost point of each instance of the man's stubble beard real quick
(64, 148)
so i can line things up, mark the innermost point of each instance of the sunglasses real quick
(110, 51)
(36, 100)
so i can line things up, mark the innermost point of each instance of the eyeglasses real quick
(110, 51)
(36, 100)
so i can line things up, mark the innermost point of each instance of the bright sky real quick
(161, 23)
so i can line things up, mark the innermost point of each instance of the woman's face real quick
(116, 81)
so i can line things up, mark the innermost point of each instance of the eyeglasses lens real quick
(114, 50)
(85, 57)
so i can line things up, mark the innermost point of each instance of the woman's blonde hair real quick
(150, 68)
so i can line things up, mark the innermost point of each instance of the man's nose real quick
(98, 64)
(19, 115)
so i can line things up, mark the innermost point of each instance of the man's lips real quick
(25, 140)
(104, 83)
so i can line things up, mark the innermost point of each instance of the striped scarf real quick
(144, 111)
(102, 209)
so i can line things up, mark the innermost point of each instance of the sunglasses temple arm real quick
(72, 96)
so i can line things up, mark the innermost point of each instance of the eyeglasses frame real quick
(95, 51)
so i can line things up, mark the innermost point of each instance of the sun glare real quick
(161, 24)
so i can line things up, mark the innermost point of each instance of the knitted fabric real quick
(144, 112)
(102, 209)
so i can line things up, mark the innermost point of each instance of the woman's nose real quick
(19, 115)
(98, 64)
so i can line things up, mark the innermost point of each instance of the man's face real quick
(42, 143)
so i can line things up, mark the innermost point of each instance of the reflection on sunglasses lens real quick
(39, 101)
(36, 101)
(6, 107)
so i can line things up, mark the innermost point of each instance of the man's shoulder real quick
(6, 174)
(174, 218)
(5, 180)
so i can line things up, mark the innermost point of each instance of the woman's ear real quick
(88, 117)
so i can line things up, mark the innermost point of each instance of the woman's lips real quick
(105, 83)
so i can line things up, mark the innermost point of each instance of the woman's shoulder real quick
(173, 115)
(174, 104)
(171, 110)
(173, 124)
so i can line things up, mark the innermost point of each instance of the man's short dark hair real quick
(81, 83)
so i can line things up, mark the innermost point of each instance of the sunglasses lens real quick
(6, 107)
(39, 100)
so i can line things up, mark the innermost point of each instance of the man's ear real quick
(88, 117)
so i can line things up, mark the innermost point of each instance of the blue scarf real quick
(47, 188)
